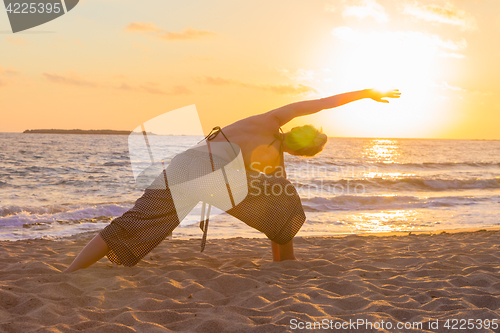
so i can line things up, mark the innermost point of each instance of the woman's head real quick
(304, 141)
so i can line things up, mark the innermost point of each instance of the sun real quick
(384, 61)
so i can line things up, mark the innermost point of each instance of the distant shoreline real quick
(79, 131)
(113, 132)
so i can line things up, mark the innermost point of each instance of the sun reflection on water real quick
(387, 151)
(389, 175)
(385, 221)
(382, 150)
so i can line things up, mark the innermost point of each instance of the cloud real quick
(329, 7)
(409, 39)
(484, 93)
(150, 28)
(7, 75)
(280, 89)
(152, 88)
(448, 15)
(366, 8)
(186, 34)
(288, 89)
(445, 86)
(451, 55)
(9, 71)
(218, 81)
(142, 27)
(18, 41)
(180, 90)
(299, 75)
(149, 87)
(71, 80)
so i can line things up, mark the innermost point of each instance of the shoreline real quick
(89, 234)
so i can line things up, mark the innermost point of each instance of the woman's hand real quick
(377, 95)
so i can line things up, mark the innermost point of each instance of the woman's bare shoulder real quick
(261, 123)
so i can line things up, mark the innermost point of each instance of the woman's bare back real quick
(253, 135)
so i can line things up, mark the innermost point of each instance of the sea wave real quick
(401, 184)
(13, 210)
(395, 165)
(358, 202)
(126, 163)
(11, 216)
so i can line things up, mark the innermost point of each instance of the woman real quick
(278, 214)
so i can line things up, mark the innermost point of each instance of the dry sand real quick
(234, 287)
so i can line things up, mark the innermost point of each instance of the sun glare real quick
(407, 61)
(385, 221)
(385, 151)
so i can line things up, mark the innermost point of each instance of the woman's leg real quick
(283, 252)
(275, 248)
(95, 250)
(286, 251)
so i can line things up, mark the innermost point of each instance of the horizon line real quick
(332, 137)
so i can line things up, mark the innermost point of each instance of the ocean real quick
(54, 186)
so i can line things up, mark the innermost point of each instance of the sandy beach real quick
(234, 287)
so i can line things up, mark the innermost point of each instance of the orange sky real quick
(116, 64)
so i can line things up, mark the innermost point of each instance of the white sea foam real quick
(19, 216)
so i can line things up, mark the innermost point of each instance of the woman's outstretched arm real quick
(95, 250)
(290, 111)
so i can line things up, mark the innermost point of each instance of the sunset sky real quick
(112, 64)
